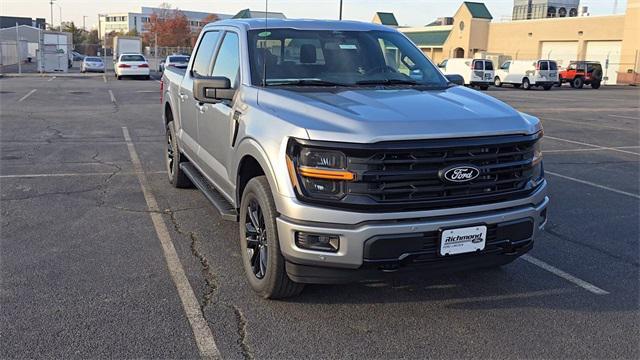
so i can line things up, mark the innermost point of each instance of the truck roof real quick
(300, 24)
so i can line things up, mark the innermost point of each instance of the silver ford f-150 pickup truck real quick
(344, 153)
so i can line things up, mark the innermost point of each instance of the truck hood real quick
(373, 115)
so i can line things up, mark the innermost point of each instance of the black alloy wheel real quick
(256, 238)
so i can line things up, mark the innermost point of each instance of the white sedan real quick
(132, 65)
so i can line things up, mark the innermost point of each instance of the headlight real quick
(318, 173)
(537, 173)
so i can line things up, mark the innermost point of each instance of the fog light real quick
(318, 242)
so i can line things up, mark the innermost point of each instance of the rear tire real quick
(577, 83)
(596, 85)
(484, 87)
(263, 262)
(517, 86)
(547, 87)
(173, 158)
(526, 85)
(497, 82)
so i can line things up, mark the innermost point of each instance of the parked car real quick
(527, 73)
(92, 63)
(580, 73)
(132, 65)
(77, 56)
(177, 61)
(343, 152)
(476, 72)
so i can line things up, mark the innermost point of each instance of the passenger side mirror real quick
(455, 79)
(212, 89)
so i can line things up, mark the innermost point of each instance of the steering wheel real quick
(381, 69)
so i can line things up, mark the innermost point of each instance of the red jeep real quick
(579, 73)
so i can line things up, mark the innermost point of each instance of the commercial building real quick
(11, 21)
(129, 21)
(612, 40)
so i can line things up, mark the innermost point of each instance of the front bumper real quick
(350, 262)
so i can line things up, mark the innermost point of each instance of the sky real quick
(408, 12)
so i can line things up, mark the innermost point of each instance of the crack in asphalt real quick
(211, 284)
(210, 279)
(241, 321)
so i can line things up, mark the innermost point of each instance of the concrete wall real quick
(523, 39)
(630, 56)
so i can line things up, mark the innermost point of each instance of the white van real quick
(476, 72)
(527, 73)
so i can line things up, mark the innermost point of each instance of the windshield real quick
(132, 58)
(179, 59)
(342, 58)
(93, 59)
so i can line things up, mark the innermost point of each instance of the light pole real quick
(60, 14)
(340, 9)
(51, 23)
(84, 24)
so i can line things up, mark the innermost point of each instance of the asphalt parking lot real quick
(83, 272)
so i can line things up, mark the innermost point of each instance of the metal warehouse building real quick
(614, 40)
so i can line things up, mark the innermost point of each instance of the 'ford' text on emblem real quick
(460, 173)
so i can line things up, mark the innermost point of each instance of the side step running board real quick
(227, 211)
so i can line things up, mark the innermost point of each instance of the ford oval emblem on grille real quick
(459, 173)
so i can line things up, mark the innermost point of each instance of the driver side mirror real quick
(212, 89)
(455, 79)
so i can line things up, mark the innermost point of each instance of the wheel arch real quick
(252, 162)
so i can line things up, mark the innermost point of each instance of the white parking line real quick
(28, 94)
(201, 331)
(594, 184)
(591, 145)
(625, 117)
(583, 284)
(104, 78)
(113, 98)
(51, 79)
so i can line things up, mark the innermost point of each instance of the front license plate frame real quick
(454, 241)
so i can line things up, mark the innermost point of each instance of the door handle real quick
(201, 108)
(182, 96)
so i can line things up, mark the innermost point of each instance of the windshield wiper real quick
(304, 82)
(387, 82)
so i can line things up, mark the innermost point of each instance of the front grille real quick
(397, 176)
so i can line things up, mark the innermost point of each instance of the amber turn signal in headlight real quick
(326, 174)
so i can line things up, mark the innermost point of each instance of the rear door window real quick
(553, 65)
(488, 65)
(204, 56)
(478, 65)
(544, 65)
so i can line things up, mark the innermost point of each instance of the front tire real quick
(263, 262)
(526, 84)
(173, 158)
(497, 82)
